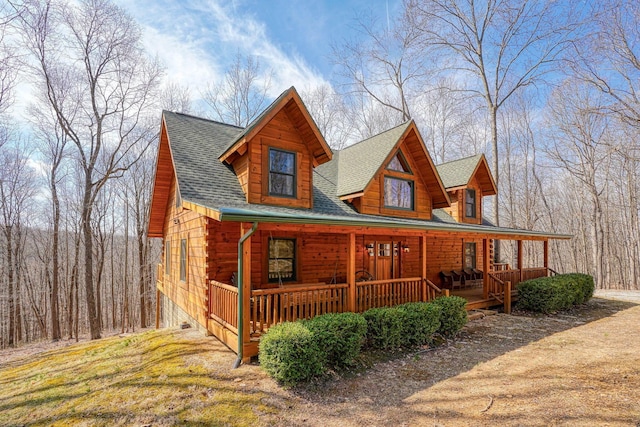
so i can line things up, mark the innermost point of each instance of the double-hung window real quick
(282, 260)
(470, 203)
(167, 257)
(282, 173)
(183, 260)
(469, 255)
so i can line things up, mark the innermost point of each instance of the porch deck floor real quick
(470, 294)
(475, 298)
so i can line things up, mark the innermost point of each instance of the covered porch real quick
(365, 268)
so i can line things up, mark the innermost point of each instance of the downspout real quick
(241, 293)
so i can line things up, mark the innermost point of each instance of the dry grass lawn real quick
(578, 368)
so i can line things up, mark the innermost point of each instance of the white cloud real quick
(197, 40)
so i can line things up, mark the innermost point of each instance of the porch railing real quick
(500, 290)
(223, 304)
(387, 293)
(273, 306)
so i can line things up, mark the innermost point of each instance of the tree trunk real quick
(11, 287)
(55, 310)
(94, 324)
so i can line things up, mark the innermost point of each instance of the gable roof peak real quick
(463, 159)
(204, 119)
(458, 173)
(403, 125)
(300, 113)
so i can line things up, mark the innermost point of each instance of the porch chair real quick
(472, 278)
(448, 280)
(479, 275)
(460, 277)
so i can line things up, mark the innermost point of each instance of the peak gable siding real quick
(252, 168)
(372, 201)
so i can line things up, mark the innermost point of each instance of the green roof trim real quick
(249, 215)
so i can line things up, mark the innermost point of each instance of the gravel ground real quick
(576, 368)
(572, 368)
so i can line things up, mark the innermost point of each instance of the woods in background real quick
(547, 90)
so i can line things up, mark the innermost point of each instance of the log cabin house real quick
(266, 223)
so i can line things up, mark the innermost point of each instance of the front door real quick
(384, 262)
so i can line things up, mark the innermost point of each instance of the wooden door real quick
(384, 260)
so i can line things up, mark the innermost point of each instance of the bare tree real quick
(17, 189)
(99, 83)
(174, 97)
(614, 42)
(497, 47)
(387, 66)
(242, 94)
(331, 114)
(581, 145)
(53, 146)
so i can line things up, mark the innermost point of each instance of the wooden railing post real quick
(520, 260)
(507, 297)
(485, 266)
(351, 272)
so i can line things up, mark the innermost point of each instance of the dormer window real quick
(282, 173)
(470, 203)
(398, 193)
(399, 164)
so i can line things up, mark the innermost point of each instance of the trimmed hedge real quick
(339, 336)
(453, 315)
(550, 294)
(384, 327)
(420, 321)
(289, 353)
(406, 325)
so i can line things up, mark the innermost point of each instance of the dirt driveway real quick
(576, 368)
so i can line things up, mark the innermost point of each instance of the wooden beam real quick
(520, 259)
(351, 271)
(246, 287)
(507, 297)
(423, 263)
(485, 268)
(158, 296)
(546, 253)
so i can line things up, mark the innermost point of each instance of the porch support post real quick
(244, 290)
(485, 268)
(351, 271)
(545, 249)
(158, 297)
(423, 263)
(520, 260)
(507, 297)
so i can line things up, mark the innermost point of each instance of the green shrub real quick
(339, 337)
(420, 321)
(289, 353)
(453, 315)
(384, 327)
(550, 294)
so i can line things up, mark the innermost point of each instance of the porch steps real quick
(479, 314)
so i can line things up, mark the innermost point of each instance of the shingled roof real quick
(458, 172)
(203, 180)
(362, 160)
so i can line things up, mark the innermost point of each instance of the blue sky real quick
(197, 39)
